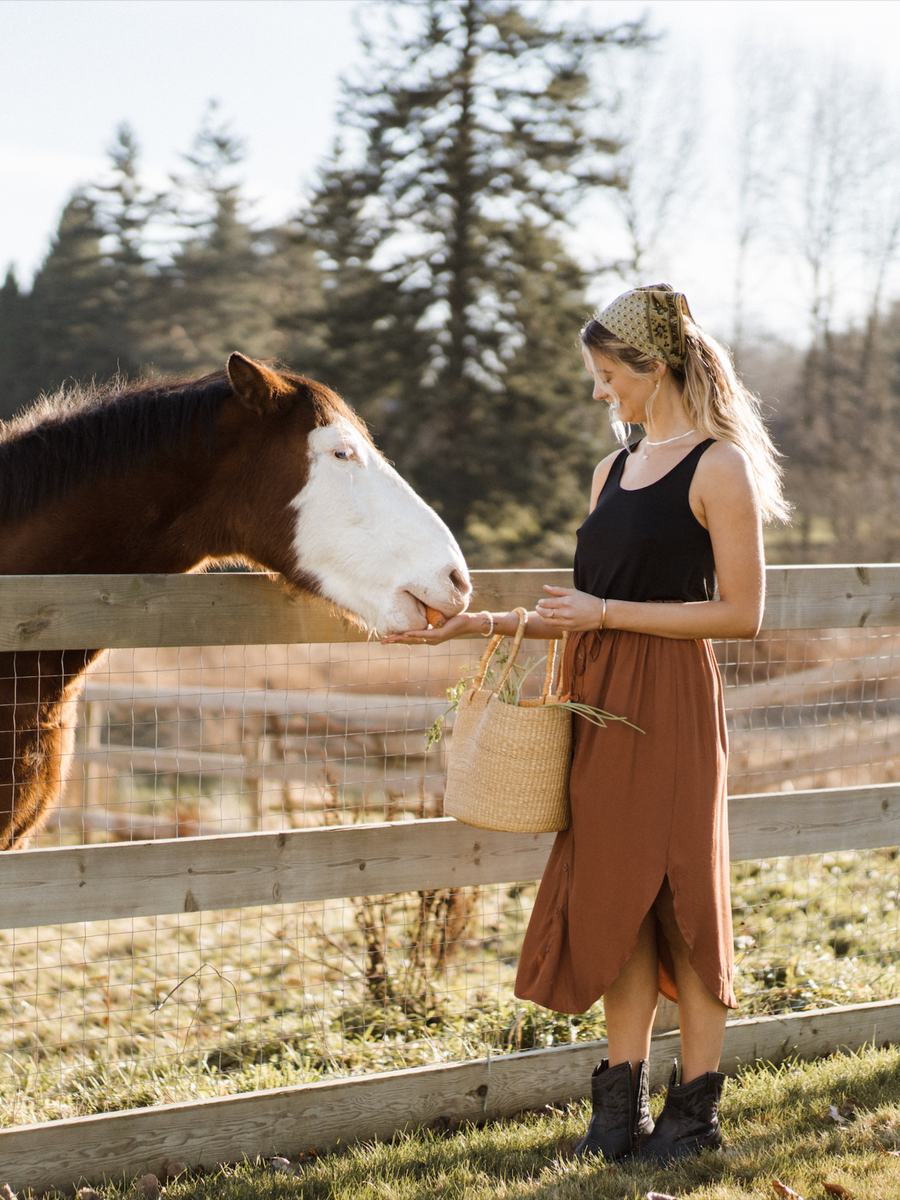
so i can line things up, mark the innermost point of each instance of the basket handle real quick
(514, 650)
(485, 659)
(492, 646)
(548, 688)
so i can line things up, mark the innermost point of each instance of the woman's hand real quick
(565, 608)
(463, 625)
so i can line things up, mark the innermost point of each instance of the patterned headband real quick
(650, 319)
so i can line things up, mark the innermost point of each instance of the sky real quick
(73, 70)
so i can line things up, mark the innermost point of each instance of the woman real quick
(635, 898)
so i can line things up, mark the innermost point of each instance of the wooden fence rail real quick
(140, 879)
(254, 609)
(289, 1120)
(63, 885)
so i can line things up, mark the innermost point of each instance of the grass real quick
(122, 1014)
(775, 1119)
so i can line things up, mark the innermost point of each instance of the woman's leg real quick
(630, 1002)
(620, 1114)
(701, 1015)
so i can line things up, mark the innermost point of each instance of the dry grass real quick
(776, 1123)
(118, 1014)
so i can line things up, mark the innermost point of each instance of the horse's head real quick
(342, 521)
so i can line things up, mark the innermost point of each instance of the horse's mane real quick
(84, 432)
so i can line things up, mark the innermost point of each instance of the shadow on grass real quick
(776, 1121)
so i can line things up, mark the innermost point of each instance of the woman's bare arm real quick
(724, 499)
(726, 503)
(472, 625)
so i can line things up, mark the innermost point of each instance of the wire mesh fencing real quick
(205, 741)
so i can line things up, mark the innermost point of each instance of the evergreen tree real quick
(294, 296)
(126, 211)
(16, 350)
(85, 316)
(228, 284)
(72, 302)
(451, 307)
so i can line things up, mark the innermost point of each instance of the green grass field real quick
(124, 1014)
(776, 1123)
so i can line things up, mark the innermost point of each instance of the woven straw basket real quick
(508, 766)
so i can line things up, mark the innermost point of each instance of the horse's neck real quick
(152, 521)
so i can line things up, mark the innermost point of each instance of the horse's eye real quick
(343, 454)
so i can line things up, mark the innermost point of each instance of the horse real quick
(252, 465)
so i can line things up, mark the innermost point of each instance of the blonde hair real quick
(714, 398)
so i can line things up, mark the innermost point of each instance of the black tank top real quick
(646, 544)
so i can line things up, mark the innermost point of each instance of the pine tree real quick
(229, 283)
(16, 350)
(451, 306)
(126, 212)
(86, 315)
(72, 302)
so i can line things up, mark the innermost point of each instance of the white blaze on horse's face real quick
(373, 545)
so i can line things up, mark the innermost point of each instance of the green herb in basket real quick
(511, 693)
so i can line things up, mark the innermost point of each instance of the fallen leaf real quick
(835, 1189)
(280, 1164)
(172, 1168)
(88, 1194)
(848, 1109)
(149, 1187)
(565, 1148)
(783, 1190)
(836, 1116)
(7, 1193)
(893, 1153)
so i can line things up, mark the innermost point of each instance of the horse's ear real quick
(261, 390)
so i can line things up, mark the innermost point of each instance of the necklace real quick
(666, 441)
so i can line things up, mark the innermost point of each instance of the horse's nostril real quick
(460, 582)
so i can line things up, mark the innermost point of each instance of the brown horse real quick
(250, 465)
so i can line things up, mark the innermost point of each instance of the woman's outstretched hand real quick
(561, 608)
(566, 608)
(463, 625)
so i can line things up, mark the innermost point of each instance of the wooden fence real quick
(169, 876)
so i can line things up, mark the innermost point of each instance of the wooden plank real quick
(797, 597)
(810, 764)
(137, 761)
(286, 1121)
(54, 612)
(161, 761)
(832, 682)
(832, 597)
(357, 711)
(502, 591)
(94, 883)
(817, 821)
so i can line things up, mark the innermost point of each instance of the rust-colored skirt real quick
(645, 807)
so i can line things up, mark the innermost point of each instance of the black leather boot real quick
(621, 1111)
(689, 1122)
